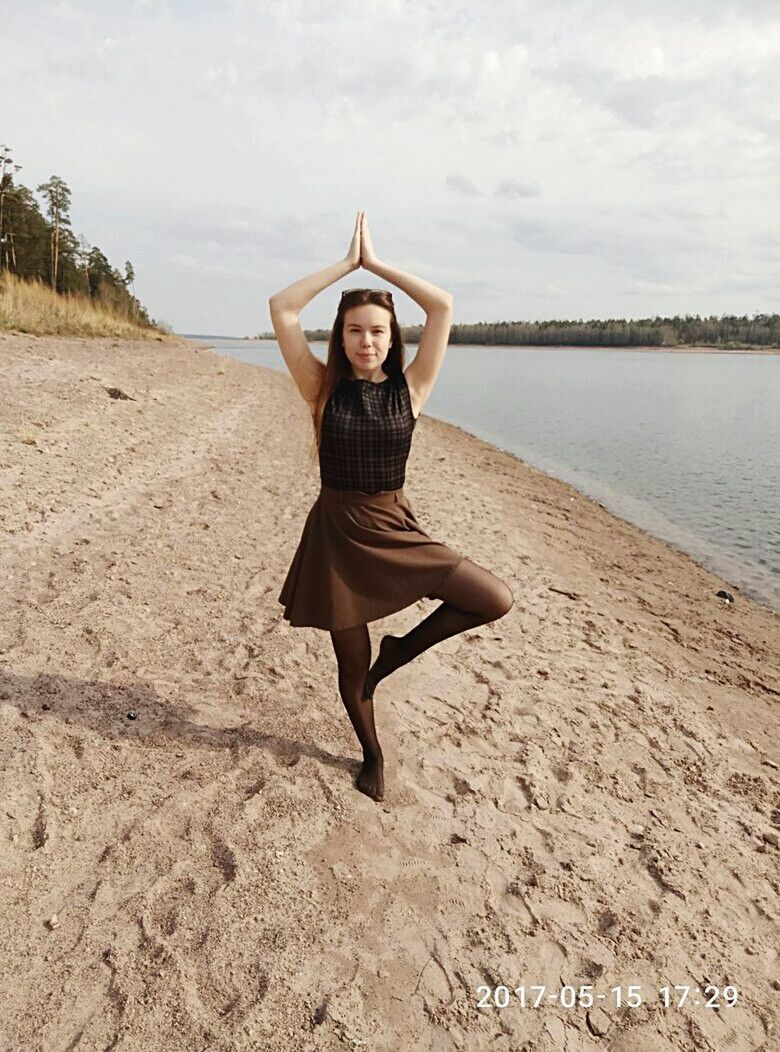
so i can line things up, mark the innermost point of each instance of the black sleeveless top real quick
(366, 435)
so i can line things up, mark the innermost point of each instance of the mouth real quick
(366, 356)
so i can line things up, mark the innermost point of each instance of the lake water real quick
(687, 446)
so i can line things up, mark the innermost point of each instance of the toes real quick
(370, 790)
(371, 784)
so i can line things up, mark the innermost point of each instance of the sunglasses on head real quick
(345, 292)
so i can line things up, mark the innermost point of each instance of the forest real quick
(728, 331)
(40, 245)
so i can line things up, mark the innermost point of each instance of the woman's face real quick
(367, 339)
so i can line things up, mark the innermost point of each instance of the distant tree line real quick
(42, 247)
(727, 331)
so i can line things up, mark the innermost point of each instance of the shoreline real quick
(558, 782)
(739, 591)
(682, 348)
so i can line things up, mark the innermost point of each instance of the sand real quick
(585, 792)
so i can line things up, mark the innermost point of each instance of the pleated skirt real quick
(361, 556)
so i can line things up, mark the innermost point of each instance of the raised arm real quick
(286, 306)
(437, 304)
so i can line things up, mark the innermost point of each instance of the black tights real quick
(472, 596)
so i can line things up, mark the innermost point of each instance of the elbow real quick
(276, 305)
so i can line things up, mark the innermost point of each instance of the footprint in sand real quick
(513, 899)
(413, 866)
(511, 800)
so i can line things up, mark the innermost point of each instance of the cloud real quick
(552, 292)
(205, 234)
(504, 137)
(460, 185)
(514, 188)
(81, 68)
(206, 266)
(68, 11)
(620, 240)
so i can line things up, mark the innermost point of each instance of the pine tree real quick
(57, 194)
(7, 253)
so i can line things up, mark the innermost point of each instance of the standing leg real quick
(472, 596)
(353, 654)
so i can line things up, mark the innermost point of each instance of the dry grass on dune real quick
(34, 308)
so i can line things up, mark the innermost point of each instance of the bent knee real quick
(504, 601)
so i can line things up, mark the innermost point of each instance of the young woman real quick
(362, 553)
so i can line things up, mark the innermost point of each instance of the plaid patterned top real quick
(366, 435)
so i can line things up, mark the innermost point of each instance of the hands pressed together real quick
(361, 254)
(361, 250)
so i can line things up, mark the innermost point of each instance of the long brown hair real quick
(338, 366)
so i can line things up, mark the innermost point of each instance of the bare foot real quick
(386, 662)
(371, 778)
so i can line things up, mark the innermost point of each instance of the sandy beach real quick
(583, 794)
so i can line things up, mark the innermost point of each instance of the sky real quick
(535, 158)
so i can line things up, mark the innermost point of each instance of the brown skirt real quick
(361, 556)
